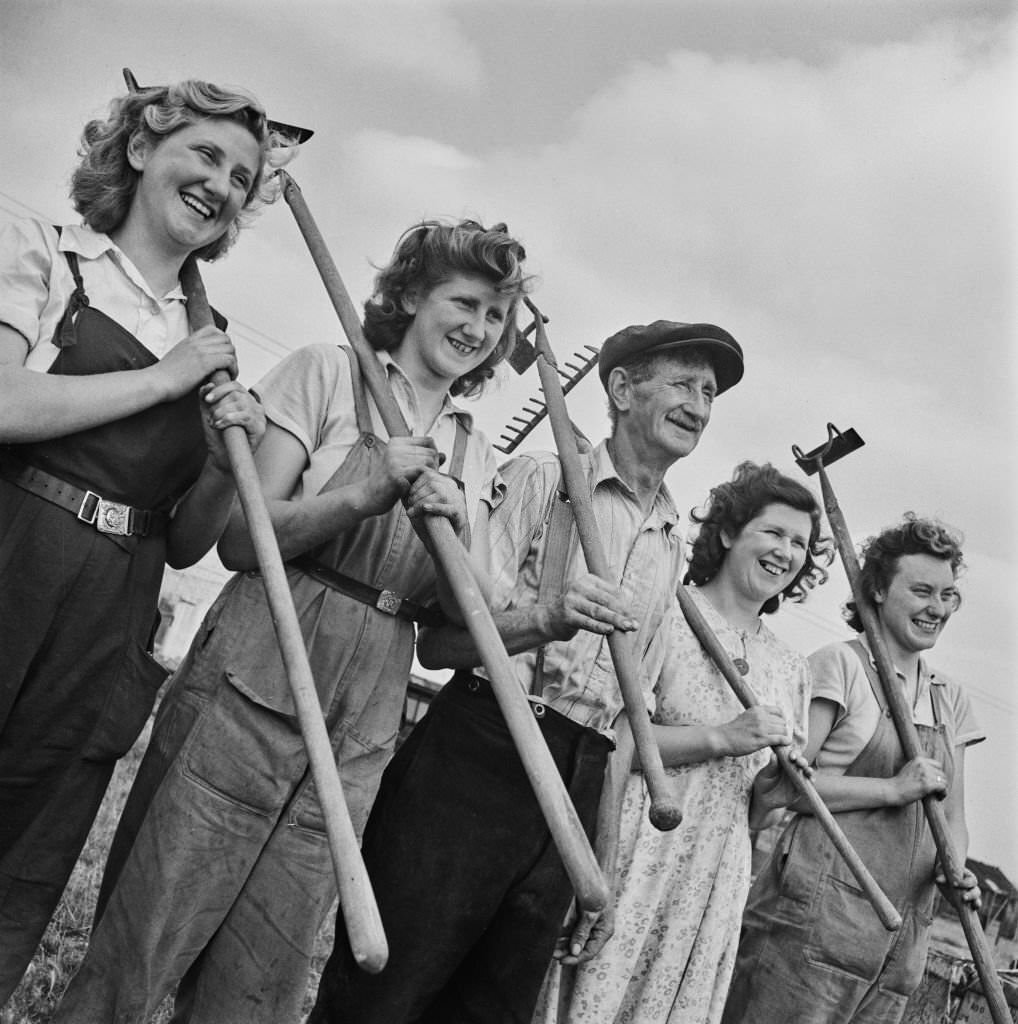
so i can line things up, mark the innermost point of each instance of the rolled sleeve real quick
(26, 264)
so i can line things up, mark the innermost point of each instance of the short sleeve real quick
(828, 675)
(305, 392)
(26, 265)
(967, 730)
(516, 523)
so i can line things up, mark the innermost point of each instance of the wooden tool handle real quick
(665, 810)
(951, 863)
(885, 909)
(357, 899)
(563, 822)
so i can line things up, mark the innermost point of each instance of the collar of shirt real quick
(603, 471)
(403, 385)
(92, 245)
(927, 676)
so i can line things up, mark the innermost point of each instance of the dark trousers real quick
(470, 886)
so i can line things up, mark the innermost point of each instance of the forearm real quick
(39, 406)
(299, 526)
(200, 517)
(689, 744)
(850, 793)
(521, 629)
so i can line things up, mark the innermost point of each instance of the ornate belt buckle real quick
(388, 602)
(112, 517)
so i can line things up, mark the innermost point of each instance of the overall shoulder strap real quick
(360, 395)
(66, 336)
(560, 543)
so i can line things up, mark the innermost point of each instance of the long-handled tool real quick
(357, 899)
(559, 812)
(360, 911)
(665, 812)
(838, 445)
(889, 916)
(536, 410)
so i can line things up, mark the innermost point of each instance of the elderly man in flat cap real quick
(471, 888)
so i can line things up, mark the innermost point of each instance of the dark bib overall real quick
(77, 612)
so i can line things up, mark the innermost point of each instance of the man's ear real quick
(138, 149)
(620, 388)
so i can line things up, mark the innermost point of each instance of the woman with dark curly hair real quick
(220, 872)
(111, 461)
(679, 895)
(812, 950)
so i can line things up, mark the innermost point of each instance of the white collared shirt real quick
(839, 676)
(36, 285)
(310, 395)
(644, 552)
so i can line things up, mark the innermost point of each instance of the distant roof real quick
(987, 873)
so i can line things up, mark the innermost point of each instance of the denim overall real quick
(220, 873)
(812, 948)
(78, 609)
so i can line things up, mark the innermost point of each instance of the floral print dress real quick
(679, 895)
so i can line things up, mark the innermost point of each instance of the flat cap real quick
(666, 335)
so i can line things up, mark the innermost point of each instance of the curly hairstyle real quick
(104, 182)
(733, 504)
(914, 535)
(427, 255)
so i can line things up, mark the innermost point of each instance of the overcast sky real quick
(834, 183)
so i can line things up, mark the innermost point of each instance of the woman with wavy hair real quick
(111, 461)
(812, 950)
(220, 872)
(679, 895)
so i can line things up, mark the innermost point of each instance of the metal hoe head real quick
(839, 443)
(292, 132)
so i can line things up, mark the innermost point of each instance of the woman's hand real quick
(918, 778)
(755, 728)
(230, 405)
(406, 458)
(195, 359)
(436, 494)
(967, 890)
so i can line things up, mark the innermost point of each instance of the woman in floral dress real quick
(679, 895)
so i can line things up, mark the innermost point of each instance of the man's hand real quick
(592, 604)
(581, 940)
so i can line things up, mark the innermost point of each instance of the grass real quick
(64, 943)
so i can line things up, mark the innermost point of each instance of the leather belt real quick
(106, 516)
(386, 601)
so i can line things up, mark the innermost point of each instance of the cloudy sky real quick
(833, 183)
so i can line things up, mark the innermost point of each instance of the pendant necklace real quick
(742, 664)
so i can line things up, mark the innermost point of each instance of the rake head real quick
(838, 445)
(518, 427)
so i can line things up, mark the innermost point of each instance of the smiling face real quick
(454, 329)
(768, 552)
(664, 415)
(193, 183)
(917, 603)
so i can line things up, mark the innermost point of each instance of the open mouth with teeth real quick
(461, 347)
(771, 569)
(926, 625)
(192, 203)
